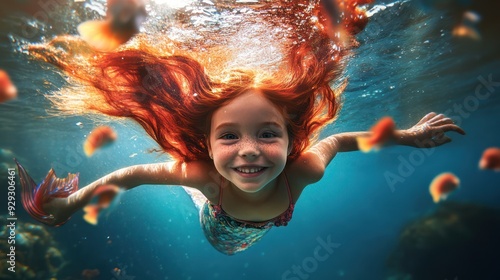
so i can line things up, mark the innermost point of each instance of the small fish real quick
(8, 90)
(490, 159)
(381, 133)
(102, 198)
(105, 194)
(330, 14)
(99, 137)
(465, 13)
(120, 273)
(91, 213)
(442, 185)
(464, 31)
(88, 274)
(123, 20)
(471, 17)
(467, 27)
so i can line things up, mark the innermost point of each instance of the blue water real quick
(408, 65)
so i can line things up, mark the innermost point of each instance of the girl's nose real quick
(249, 149)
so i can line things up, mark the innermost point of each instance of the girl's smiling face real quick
(249, 141)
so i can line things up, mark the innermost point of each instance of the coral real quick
(456, 241)
(36, 253)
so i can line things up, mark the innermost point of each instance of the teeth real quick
(249, 170)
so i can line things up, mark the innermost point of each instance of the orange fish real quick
(464, 31)
(381, 133)
(91, 213)
(90, 273)
(443, 185)
(106, 194)
(490, 159)
(103, 196)
(123, 19)
(330, 14)
(99, 137)
(8, 90)
(467, 28)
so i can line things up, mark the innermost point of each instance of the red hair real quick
(173, 97)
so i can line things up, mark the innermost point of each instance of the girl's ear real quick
(290, 146)
(209, 147)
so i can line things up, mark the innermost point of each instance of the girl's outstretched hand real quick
(429, 131)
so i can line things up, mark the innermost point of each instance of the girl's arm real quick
(194, 174)
(428, 132)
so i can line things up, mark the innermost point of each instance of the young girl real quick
(244, 138)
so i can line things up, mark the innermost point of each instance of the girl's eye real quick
(268, 135)
(228, 136)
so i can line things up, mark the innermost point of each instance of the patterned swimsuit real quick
(230, 235)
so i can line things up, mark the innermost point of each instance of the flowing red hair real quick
(173, 94)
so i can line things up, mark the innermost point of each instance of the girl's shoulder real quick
(304, 170)
(200, 175)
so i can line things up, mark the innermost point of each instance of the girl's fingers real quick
(443, 122)
(437, 118)
(451, 127)
(426, 118)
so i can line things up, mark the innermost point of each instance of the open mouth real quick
(249, 170)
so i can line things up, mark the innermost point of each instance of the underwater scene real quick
(382, 214)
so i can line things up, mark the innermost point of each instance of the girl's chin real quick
(248, 187)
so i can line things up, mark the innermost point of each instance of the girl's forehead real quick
(250, 106)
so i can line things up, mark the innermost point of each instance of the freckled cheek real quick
(222, 154)
(275, 152)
